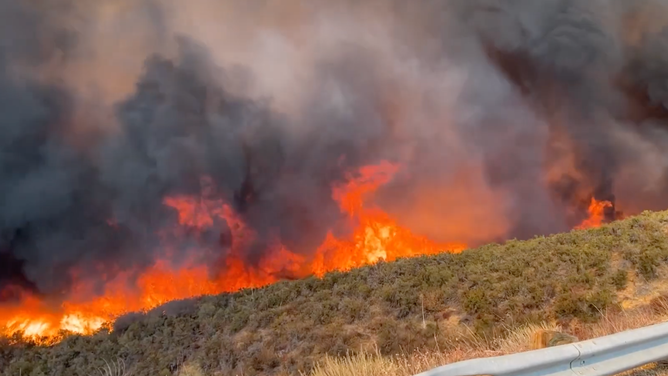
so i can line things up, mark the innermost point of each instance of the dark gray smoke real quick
(100, 206)
(506, 117)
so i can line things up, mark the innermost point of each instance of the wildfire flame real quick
(596, 212)
(376, 236)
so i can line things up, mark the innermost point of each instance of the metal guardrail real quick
(601, 356)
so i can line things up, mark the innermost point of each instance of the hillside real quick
(569, 279)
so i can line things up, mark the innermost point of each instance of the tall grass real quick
(374, 364)
(114, 368)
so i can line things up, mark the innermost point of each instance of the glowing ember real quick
(374, 236)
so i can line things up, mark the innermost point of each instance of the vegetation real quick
(522, 339)
(445, 303)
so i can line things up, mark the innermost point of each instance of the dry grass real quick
(191, 369)
(114, 368)
(648, 370)
(374, 364)
(366, 364)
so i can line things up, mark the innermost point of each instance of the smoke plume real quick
(506, 118)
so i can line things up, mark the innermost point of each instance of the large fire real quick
(494, 131)
(376, 236)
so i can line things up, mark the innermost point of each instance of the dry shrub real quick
(522, 339)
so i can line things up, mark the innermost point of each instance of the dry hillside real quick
(475, 299)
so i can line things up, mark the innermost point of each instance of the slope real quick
(570, 279)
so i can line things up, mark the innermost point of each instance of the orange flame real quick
(375, 237)
(596, 212)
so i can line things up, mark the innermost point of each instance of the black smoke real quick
(99, 207)
(82, 191)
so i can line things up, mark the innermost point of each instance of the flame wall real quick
(208, 137)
